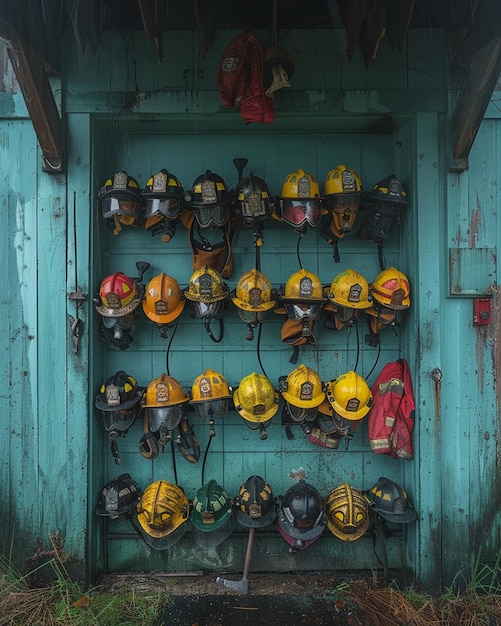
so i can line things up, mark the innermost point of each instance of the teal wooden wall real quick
(389, 118)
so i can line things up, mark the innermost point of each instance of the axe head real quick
(242, 586)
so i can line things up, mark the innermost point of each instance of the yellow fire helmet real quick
(301, 204)
(391, 288)
(349, 396)
(255, 399)
(161, 514)
(164, 391)
(349, 289)
(303, 388)
(253, 292)
(303, 286)
(207, 286)
(210, 394)
(342, 189)
(347, 512)
(164, 301)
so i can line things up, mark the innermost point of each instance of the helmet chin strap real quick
(207, 321)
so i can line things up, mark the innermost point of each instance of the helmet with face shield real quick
(120, 200)
(350, 400)
(210, 200)
(347, 295)
(163, 197)
(118, 400)
(300, 201)
(207, 293)
(253, 200)
(342, 190)
(256, 401)
(303, 392)
(390, 293)
(165, 403)
(210, 395)
(253, 298)
(302, 296)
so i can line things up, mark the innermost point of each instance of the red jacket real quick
(240, 80)
(391, 418)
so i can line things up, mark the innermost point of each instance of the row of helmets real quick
(327, 412)
(163, 203)
(301, 299)
(159, 513)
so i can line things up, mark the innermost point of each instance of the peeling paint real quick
(474, 224)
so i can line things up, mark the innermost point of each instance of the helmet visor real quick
(346, 315)
(252, 317)
(343, 425)
(119, 421)
(168, 207)
(299, 212)
(202, 309)
(124, 322)
(297, 312)
(301, 414)
(343, 202)
(125, 204)
(388, 317)
(166, 416)
(211, 407)
(212, 216)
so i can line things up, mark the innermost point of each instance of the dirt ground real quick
(203, 583)
(278, 599)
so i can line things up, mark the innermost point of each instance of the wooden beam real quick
(475, 96)
(34, 82)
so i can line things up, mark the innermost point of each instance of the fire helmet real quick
(210, 200)
(118, 399)
(342, 190)
(210, 394)
(207, 286)
(118, 497)
(253, 200)
(349, 395)
(391, 289)
(161, 514)
(118, 295)
(164, 401)
(255, 398)
(347, 512)
(211, 515)
(349, 289)
(120, 200)
(301, 517)
(255, 505)
(163, 196)
(164, 301)
(301, 205)
(253, 294)
(390, 501)
(389, 190)
(303, 392)
(302, 296)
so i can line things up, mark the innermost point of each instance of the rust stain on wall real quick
(474, 224)
(436, 376)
